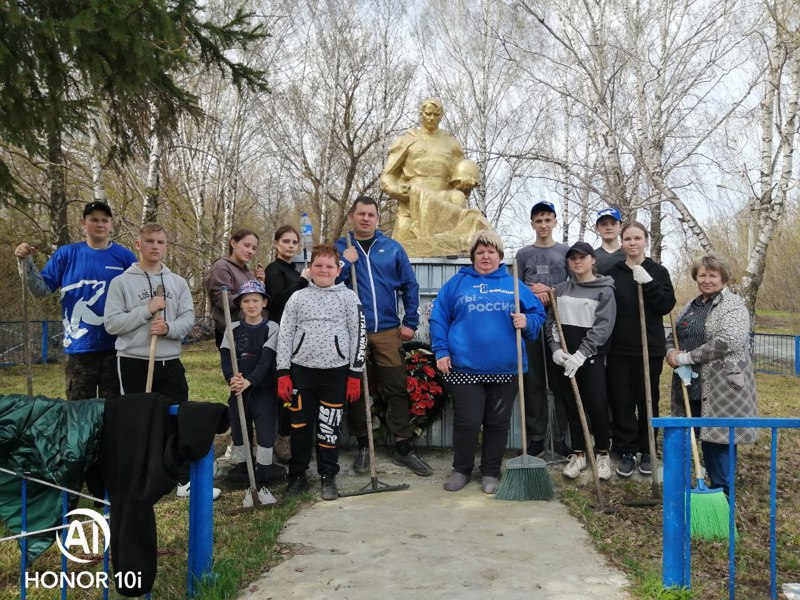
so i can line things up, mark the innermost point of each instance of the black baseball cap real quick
(97, 205)
(543, 206)
(581, 248)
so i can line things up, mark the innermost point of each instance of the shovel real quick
(253, 499)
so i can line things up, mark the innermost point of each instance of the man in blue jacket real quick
(383, 272)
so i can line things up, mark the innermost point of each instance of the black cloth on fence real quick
(142, 448)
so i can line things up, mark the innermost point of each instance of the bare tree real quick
(468, 65)
(336, 103)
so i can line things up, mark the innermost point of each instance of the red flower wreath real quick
(425, 386)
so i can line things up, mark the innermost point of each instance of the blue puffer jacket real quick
(382, 273)
(471, 322)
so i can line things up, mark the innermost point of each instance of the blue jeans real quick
(717, 463)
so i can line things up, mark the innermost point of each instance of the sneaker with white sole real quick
(184, 490)
(576, 464)
(603, 462)
(645, 466)
(626, 465)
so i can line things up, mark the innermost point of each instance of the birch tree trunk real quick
(96, 152)
(152, 190)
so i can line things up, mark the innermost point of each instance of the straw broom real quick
(526, 477)
(710, 510)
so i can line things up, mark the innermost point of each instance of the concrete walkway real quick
(427, 542)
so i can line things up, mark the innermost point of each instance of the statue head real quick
(465, 175)
(430, 114)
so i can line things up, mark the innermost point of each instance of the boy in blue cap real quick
(608, 226)
(256, 340)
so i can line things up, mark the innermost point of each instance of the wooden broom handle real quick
(520, 381)
(687, 407)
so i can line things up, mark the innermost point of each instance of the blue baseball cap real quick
(543, 206)
(609, 212)
(251, 286)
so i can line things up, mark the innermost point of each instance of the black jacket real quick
(659, 300)
(141, 450)
(282, 281)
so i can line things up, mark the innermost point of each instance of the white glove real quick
(560, 357)
(640, 275)
(573, 363)
(686, 373)
(684, 358)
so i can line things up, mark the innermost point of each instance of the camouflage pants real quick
(92, 375)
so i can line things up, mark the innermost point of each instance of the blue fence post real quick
(201, 520)
(676, 563)
(23, 528)
(45, 341)
(797, 356)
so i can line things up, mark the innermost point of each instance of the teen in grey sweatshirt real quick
(587, 310)
(128, 316)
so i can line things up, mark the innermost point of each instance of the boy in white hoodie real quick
(135, 312)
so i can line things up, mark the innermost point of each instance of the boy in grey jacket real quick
(149, 304)
(320, 357)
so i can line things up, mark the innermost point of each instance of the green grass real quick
(244, 544)
(777, 322)
(631, 537)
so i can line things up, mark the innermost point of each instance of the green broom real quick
(526, 477)
(710, 510)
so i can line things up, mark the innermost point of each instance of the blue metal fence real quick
(47, 340)
(201, 528)
(677, 555)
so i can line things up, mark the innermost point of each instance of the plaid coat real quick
(728, 384)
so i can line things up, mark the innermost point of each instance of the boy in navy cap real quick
(542, 266)
(256, 339)
(608, 226)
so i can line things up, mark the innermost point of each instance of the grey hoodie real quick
(322, 328)
(587, 311)
(128, 317)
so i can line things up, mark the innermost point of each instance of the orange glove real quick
(285, 388)
(353, 389)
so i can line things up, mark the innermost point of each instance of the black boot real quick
(328, 488)
(298, 484)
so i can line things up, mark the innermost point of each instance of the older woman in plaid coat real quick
(714, 334)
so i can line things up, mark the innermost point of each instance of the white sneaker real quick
(183, 491)
(576, 464)
(603, 462)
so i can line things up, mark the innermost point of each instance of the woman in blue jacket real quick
(472, 332)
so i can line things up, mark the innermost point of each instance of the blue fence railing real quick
(201, 530)
(677, 556)
(46, 339)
